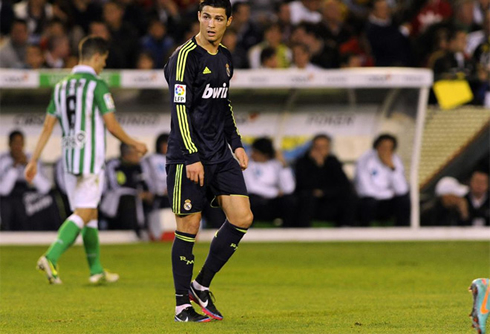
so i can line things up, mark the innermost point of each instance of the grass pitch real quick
(404, 287)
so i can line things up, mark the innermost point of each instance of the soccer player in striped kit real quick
(84, 107)
(199, 160)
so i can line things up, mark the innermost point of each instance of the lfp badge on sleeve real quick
(179, 94)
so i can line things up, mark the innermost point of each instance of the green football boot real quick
(481, 306)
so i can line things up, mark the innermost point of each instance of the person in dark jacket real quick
(323, 190)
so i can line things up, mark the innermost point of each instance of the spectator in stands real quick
(302, 57)
(145, 61)
(270, 183)
(323, 190)
(463, 15)
(283, 17)
(157, 43)
(127, 197)
(247, 32)
(321, 54)
(478, 199)
(434, 11)
(36, 13)
(154, 168)
(272, 39)
(481, 54)
(116, 58)
(359, 46)
(389, 41)
(332, 27)
(449, 208)
(480, 10)
(268, 58)
(239, 56)
(478, 37)
(34, 58)
(381, 185)
(350, 60)
(57, 52)
(122, 33)
(24, 206)
(6, 18)
(13, 51)
(135, 16)
(305, 11)
(167, 12)
(262, 11)
(82, 12)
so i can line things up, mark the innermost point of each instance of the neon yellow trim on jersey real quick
(233, 118)
(179, 191)
(179, 66)
(184, 129)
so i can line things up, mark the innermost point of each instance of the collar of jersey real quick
(83, 69)
(212, 54)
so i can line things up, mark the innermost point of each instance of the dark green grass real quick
(416, 287)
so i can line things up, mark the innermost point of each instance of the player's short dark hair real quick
(385, 136)
(92, 45)
(264, 146)
(14, 134)
(480, 170)
(162, 138)
(217, 4)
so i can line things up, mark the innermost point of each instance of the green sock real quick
(92, 250)
(67, 234)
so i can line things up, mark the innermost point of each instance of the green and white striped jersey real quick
(79, 101)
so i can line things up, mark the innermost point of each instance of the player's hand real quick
(242, 157)
(140, 148)
(30, 171)
(195, 173)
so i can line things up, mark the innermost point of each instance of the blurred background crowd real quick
(449, 36)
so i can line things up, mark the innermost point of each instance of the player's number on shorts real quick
(71, 110)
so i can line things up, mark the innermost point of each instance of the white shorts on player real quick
(84, 191)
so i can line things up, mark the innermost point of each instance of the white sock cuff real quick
(93, 224)
(180, 308)
(198, 286)
(77, 220)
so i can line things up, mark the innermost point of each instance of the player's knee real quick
(244, 220)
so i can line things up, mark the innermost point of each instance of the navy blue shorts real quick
(187, 197)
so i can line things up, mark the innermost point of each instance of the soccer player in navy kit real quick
(199, 160)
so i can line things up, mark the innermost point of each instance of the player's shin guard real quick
(224, 244)
(90, 236)
(182, 265)
(67, 234)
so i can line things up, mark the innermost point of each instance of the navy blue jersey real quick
(202, 116)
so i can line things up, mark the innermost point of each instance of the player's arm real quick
(31, 168)
(105, 103)
(233, 138)
(180, 75)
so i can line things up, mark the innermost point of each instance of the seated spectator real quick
(305, 11)
(478, 199)
(145, 61)
(433, 12)
(24, 206)
(247, 32)
(350, 60)
(283, 17)
(449, 208)
(389, 41)
(323, 190)
(34, 58)
(270, 183)
(13, 50)
(239, 56)
(167, 12)
(301, 58)
(157, 43)
(127, 196)
(321, 54)
(332, 27)
(154, 168)
(272, 39)
(381, 185)
(268, 58)
(57, 52)
(36, 13)
(116, 58)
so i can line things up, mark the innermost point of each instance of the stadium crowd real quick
(313, 188)
(449, 36)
